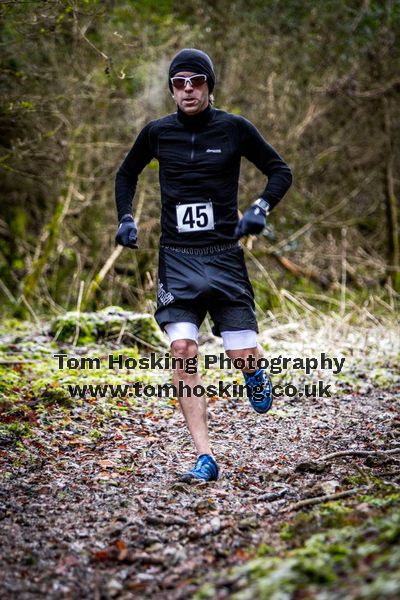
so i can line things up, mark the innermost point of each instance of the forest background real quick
(307, 504)
(81, 78)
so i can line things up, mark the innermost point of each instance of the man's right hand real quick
(127, 232)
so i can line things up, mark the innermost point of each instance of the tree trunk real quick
(49, 237)
(391, 201)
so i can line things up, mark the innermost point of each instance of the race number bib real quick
(194, 217)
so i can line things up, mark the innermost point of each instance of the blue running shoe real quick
(206, 469)
(259, 390)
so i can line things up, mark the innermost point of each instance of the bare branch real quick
(326, 498)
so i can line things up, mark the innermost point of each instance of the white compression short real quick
(239, 340)
(232, 340)
(182, 331)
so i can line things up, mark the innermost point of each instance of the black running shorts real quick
(190, 285)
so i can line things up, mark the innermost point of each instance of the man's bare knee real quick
(184, 348)
(243, 354)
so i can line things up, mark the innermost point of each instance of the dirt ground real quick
(102, 515)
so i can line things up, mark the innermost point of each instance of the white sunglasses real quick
(194, 81)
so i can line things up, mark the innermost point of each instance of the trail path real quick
(101, 515)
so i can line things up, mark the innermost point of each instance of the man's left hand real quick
(253, 220)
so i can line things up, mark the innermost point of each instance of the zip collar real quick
(195, 122)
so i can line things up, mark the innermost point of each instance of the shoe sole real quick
(190, 478)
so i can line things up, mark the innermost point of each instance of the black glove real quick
(253, 220)
(127, 232)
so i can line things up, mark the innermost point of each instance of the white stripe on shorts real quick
(182, 331)
(239, 340)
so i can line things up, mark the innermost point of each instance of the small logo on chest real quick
(214, 150)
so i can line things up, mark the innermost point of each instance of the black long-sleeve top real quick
(199, 163)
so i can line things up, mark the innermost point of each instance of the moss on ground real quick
(110, 323)
(334, 551)
(9, 383)
(32, 383)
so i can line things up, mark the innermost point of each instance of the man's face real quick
(191, 100)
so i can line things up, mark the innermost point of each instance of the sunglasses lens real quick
(198, 80)
(178, 82)
(195, 81)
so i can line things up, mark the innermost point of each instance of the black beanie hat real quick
(190, 59)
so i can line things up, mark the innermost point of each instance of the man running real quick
(201, 263)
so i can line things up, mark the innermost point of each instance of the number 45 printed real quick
(195, 217)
